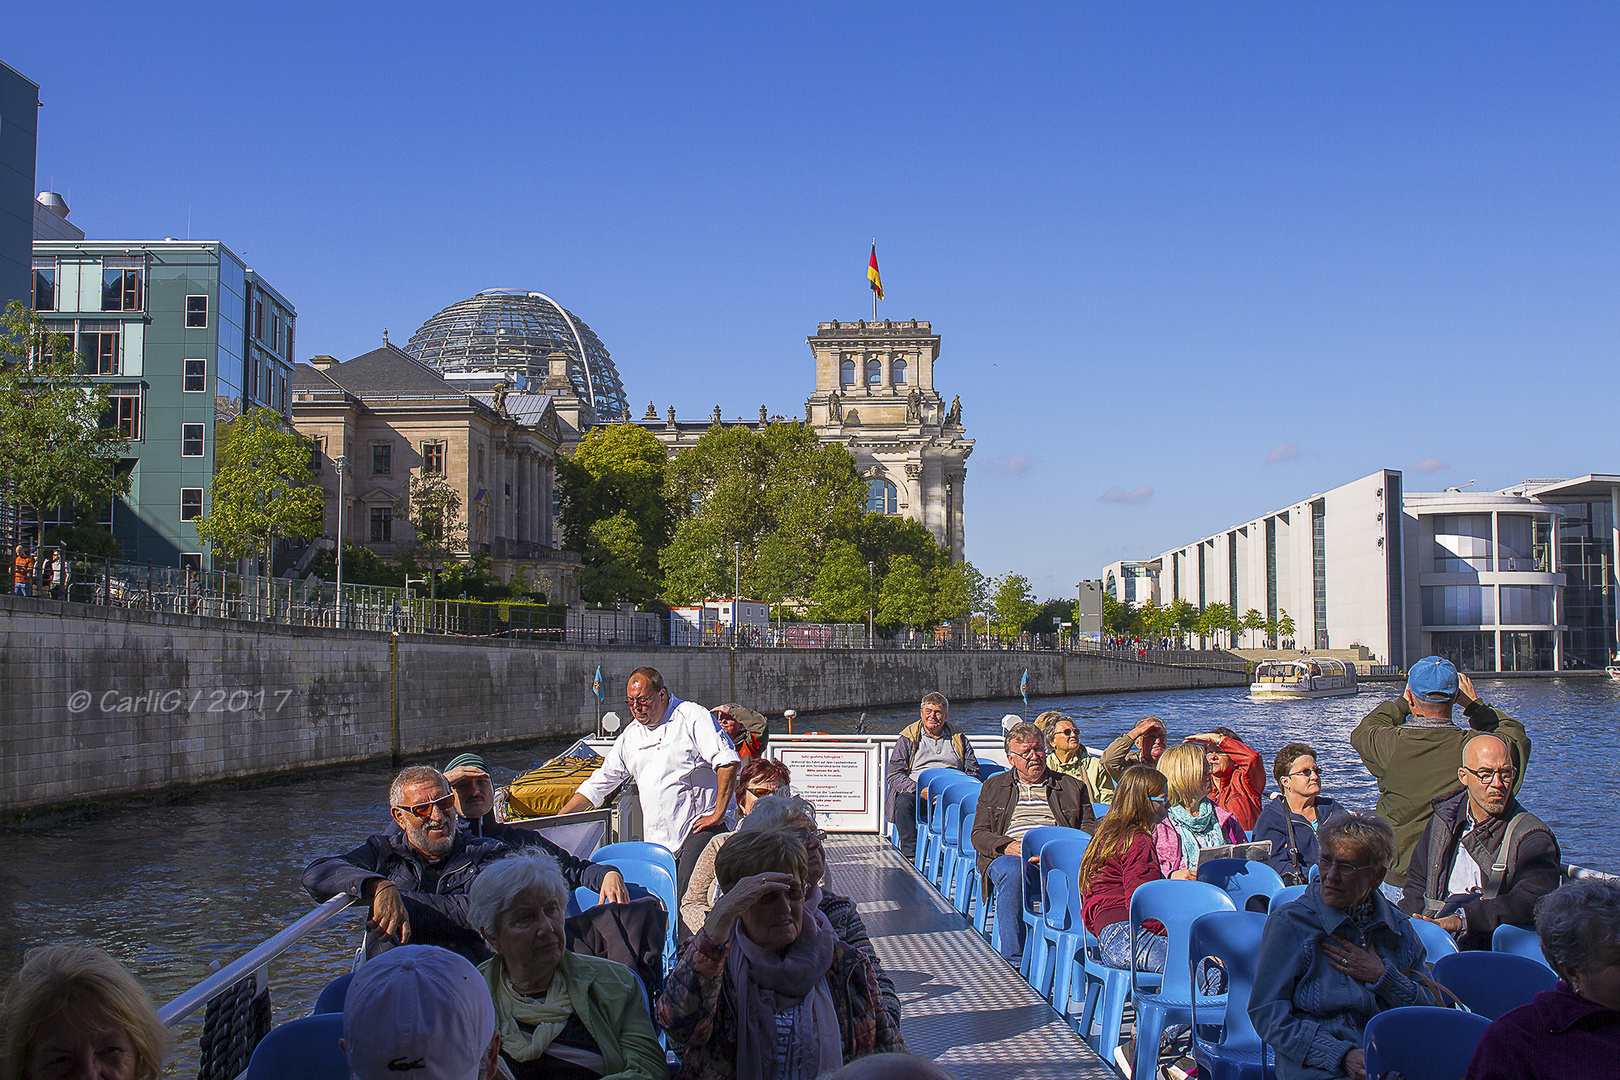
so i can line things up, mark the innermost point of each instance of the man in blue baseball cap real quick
(1414, 750)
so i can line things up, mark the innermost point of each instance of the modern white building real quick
(1516, 580)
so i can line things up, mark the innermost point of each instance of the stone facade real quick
(875, 394)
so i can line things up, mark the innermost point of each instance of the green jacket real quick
(1416, 765)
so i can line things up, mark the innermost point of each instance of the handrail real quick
(255, 958)
(1578, 873)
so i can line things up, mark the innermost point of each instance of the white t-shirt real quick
(673, 766)
(1465, 875)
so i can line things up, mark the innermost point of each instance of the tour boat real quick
(1307, 677)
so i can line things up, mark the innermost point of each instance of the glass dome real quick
(507, 331)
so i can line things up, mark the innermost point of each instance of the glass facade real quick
(1468, 650)
(1271, 568)
(1586, 558)
(1319, 571)
(1462, 543)
(1231, 573)
(1526, 605)
(1459, 605)
(1527, 650)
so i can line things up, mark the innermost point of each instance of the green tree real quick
(1253, 620)
(1285, 625)
(361, 566)
(262, 489)
(879, 538)
(57, 446)
(842, 590)
(1012, 603)
(614, 513)
(905, 598)
(1049, 615)
(1216, 618)
(438, 532)
(959, 590)
(1183, 615)
(1271, 631)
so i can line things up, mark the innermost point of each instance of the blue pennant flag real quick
(596, 683)
(1023, 689)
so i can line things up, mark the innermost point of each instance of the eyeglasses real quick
(1486, 776)
(1328, 865)
(1031, 754)
(814, 839)
(424, 810)
(1308, 772)
(760, 793)
(1066, 733)
(793, 894)
(638, 703)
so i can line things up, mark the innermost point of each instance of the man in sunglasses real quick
(1483, 860)
(684, 767)
(416, 879)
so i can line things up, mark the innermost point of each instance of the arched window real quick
(882, 497)
(899, 368)
(846, 372)
(874, 372)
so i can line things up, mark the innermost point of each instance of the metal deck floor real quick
(962, 1005)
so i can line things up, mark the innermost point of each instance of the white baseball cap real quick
(417, 1013)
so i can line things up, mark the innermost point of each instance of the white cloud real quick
(1432, 464)
(1287, 451)
(1135, 495)
(1013, 466)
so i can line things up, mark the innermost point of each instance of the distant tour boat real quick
(1311, 677)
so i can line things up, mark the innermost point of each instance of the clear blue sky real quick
(1211, 258)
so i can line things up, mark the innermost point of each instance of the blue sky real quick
(1190, 262)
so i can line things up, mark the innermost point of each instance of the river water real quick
(169, 887)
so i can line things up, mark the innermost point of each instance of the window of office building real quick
(1468, 650)
(881, 496)
(1586, 559)
(195, 379)
(1462, 543)
(317, 452)
(124, 415)
(1319, 570)
(382, 525)
(1458, 605)
(382, 459)
(1526, 605)
(100, 346)
(191, 440)
(196, 312)
(44, 285)
(1527, 650)
(191, 560)
(1515, 543)
(1271, 568)
(122, 287)
(433, 459)
(258, 320)
(190, 503)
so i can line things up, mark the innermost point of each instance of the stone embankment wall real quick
(99, 703)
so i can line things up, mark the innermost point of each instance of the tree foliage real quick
(262, 489)
(959, 590)
(905, 598)
(438, 530)
(614, 512)
(56, 449)
(1012, 604)
(842, 591)
(1253, 620)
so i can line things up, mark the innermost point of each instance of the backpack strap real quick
(1293, 847)
(1496, 876)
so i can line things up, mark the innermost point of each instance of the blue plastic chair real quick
(303, 1049)
(1436, 942)
(1421, 1041)
(1491, 983)
(1176, 904)
(1061, 931)
(987, 769)
(661, 883)
(1520, 942)
(1030, 845)
(951, 800)
(926, 782)
(931, 843)
(964, 863)
(1286, 895)
(1230, 1049)
(1241, 879)
(333, 995)
(643, 850)
(582, 899)
(1099, 810)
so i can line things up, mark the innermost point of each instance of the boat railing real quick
(253, 960)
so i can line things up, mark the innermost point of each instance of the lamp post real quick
(342, 467)
(870, 584)
(736, 587)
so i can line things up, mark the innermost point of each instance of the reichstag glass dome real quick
(502, 332)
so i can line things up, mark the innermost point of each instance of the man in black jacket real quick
(1483, 859)
(1010, 804)
(417, 879)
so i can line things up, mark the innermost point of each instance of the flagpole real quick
(873, 286)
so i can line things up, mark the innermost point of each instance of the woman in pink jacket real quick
(1194, 821)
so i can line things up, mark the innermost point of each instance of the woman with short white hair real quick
(559, 1013)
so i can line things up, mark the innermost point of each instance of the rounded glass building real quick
(502, 333)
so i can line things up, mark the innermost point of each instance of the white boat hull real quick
(1296, 693)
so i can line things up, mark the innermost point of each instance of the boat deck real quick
(962, 1005)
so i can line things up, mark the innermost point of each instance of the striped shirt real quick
(1032, 810)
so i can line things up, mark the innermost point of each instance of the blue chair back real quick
(661, 883)
(333, 995)
(963, 859)
(1100, 809)
(642, 850)
(1286, 895)
(304, 1049)
(1060, 872)
(1491, 983)
(1176, 904)
(1241, 878)
(1520, 942)
(951, 825)
(925, 783)
(582, 899)
(987, 769)
(1232, 938)
(1421, 1041)
(1436, 942)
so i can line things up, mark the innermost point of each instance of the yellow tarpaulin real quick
(542, 792)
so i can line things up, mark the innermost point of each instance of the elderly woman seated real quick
(765, 989)
(758, 777)
(1336, 957)
(74, 1011)
(1574, 1028)
(559, 1014)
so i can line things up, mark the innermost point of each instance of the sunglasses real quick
(424, 810)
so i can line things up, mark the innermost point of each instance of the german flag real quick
(872, 273)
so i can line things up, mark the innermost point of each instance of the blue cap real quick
(1432, 679)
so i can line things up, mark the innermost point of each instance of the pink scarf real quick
(767, 984)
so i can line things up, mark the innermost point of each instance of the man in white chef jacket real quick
(683, 764)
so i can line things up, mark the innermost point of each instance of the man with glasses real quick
(415, 879)
(930, 743)
(1011, 803)
(684, 767)
(1484, 859)
(1413, 749)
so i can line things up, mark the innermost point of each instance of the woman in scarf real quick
(560, 1014)
(758, 777)
(765, 990)
(1194, 822)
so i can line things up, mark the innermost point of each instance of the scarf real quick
(1196, 832)
(547, 1017)
(767, 984)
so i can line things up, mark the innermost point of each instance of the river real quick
(168, 887)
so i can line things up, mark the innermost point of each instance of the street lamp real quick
(736, 586)
(870, 583)
(342, 467)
